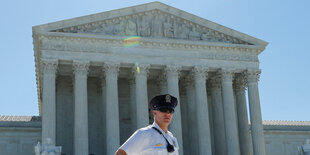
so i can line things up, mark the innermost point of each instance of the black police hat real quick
(163, 101)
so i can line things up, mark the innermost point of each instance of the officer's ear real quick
(154, 112)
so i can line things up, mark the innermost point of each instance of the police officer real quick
(154, 139)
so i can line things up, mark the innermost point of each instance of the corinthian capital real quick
(172, 70)
(240, 82)
(200, 72)
(80, 67)
(141, 69)
(111, 68)
(227, 74)
(49, 66)
(253, 75)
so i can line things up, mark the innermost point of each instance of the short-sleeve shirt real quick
(148, 141)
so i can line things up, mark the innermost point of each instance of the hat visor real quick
(166, 107)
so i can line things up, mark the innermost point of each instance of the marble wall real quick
(18, 140)
(284, 140)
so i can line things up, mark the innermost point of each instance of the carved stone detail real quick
(200, 72)
(49, 66)
(111, 68)
(240, 83)
(173, 70)
(80, 67)
(253, 76)
(142, 69)
(155, 24)
(70, 43)
(227, 74)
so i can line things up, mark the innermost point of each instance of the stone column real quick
(218, 116)
(184, 121)
(162, 81)
(191, 119)
(80, 70)
(202, 112)
(172, 74)
(133, 106)
(112, 111)
(49, 68)
(231, 128)
(242, 114)
(103, 115)
(255, 113)
(141, 96)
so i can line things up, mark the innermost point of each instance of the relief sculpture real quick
(168, 28)
(207, 36)
(183, 31)
(193, 34)
(128, 27)
(144, 28)
(155, 24)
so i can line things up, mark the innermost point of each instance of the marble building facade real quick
(94, 89)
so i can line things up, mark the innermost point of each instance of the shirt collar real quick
(157, 126)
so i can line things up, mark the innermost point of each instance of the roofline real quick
(147, 7)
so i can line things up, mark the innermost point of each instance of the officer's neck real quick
(163, 126)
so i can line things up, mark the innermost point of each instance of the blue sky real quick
(285, 80)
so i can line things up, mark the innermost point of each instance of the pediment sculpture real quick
(154, 24)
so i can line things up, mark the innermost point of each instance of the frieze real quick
(76, 44)
(154, 24)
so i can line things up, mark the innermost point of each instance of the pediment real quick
(153, 20)
(153, 24)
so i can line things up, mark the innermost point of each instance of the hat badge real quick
(168, 98)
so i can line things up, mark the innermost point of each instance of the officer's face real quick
(163, 117)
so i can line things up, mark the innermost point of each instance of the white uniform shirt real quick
(147, 141)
